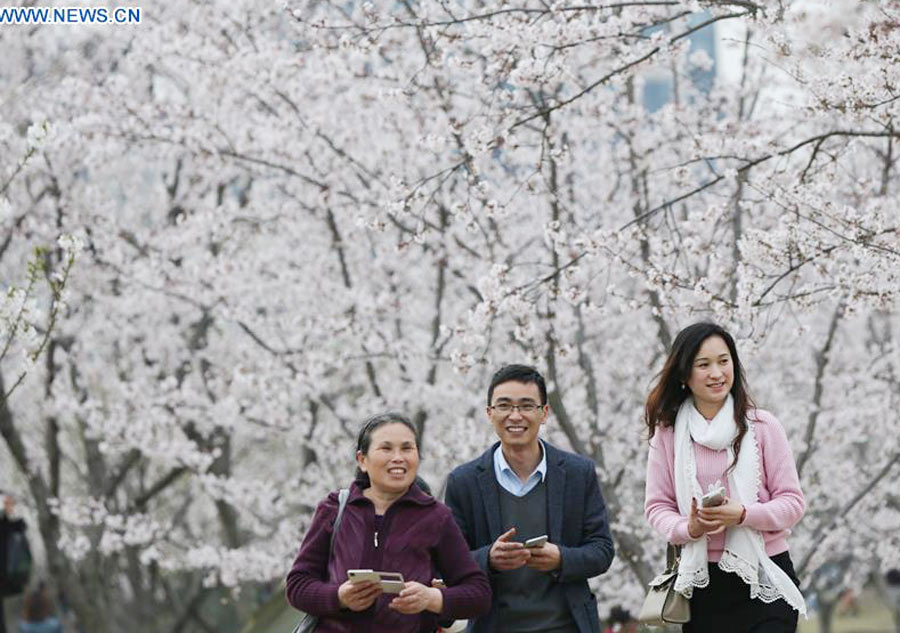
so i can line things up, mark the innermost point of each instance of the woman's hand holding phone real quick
(726, 514)
(698, 524)
(416, 597)
(358, 596)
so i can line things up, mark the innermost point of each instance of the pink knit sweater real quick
(780, 501)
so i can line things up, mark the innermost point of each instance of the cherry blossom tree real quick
(295, 216)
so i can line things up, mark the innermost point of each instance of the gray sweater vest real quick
(529, 601)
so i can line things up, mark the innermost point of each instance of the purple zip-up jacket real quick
(418, 538)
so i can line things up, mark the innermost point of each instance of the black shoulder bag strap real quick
(308, 623)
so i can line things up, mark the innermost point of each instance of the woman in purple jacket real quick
(391, 525)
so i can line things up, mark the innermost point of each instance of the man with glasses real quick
(523, 488)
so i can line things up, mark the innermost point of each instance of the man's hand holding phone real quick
(544, 556)
(506, 554)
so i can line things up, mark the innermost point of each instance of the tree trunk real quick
(826, 616)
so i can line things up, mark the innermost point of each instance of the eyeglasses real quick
(524, 409)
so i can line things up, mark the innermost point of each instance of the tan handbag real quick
(664, 605)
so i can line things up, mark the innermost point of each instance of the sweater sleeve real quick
(786, 504)
(468, 592)
(307, 586)
(660, 505)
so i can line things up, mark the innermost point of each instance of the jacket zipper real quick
(376, 539)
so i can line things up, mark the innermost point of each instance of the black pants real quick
(725, 605)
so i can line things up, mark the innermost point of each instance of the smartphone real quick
(713, 498)
(537, 541)
(390, 581)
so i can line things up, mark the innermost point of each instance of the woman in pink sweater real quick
(705, 433)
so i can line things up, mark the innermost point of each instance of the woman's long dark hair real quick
(669, 392)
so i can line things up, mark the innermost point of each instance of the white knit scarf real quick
(745, 549)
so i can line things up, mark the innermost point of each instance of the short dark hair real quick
(893, 577)
(518, 373)
(620, 615)
(364, 438)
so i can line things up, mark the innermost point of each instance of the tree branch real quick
(622, 69)
(818, 388)
(817, 538)
(139, 503)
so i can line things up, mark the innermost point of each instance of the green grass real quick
(873, 617)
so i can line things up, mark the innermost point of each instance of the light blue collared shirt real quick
(509, 480)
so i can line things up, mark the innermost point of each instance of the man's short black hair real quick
(518, 373)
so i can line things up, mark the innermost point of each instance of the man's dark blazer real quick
(576, 520)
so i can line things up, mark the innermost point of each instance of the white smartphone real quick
(713, 498)
(537, 541)
(390, 581)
